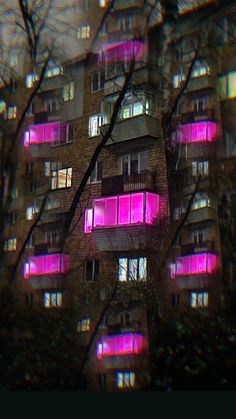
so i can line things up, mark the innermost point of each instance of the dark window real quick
(92, 270)
(29, 299)
(175, 300)
(28, 168)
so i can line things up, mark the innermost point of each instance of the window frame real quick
(49, 301)
(95, 270)
(199, 299)
(55, 174)
(125, 380)
(130, 269)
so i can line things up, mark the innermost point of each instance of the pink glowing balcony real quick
(118, 345)
(121, 210)
(52, 132)
(201, 263)
(204, 131)
(51, 264)
(123, 51)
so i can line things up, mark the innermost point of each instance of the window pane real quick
(232, 84)
(137, 208)
(111, 211)
(124, 209)
(99, 212)
(133, 269)
(123, 269)
(142, 269)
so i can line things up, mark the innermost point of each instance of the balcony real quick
(52, 216)
(121, 350)
(197, 132)
(123, 222)
(145, 180)
(40, 137)
(46, 271)
(120, 5)
(131, 128)
(195, 271)
(187, 6)
(201, 214)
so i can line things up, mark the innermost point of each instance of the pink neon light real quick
(125, 344)
(201, 263)
(123, 51)
(197, 132)
(136, 208)
(88, 220)
(45, 133)
(46, 265)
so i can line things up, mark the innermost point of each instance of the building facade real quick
(151, 222)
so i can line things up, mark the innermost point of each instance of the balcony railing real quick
(119, 345)
(51, 264)
(128, 183)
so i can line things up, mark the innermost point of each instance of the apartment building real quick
(147, 183)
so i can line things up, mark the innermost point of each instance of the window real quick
(200, 168)
(10, 112)
(61, 178)
(201, 200)
(14, 193)
(125, 380)
(31, 79)
(2, 106)
(12, 217)
(52, 237)
(134, 163)
(68, 91)
(53, 72)
(31, 242)
(32, 186)
(30, 211)
(29, 299)
(95, 122)
(97, 81)
(132, 269)
(199, 104)
(83, 325)
(92, 270)
(199, 236)
(124, 24)
(102, 3)
(51, 104)
(31, 109)
(200, 69)
(9, 244)
(52, 299)
(104, 29)
(29, 168)
(134, 105)
(199, 299)
(83, 32)
(96, 175)
(177, 80)
(175, 300)
(227, 86)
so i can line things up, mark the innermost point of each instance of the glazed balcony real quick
(195, 271)
(144, 180)
(197, 132)
(123, 350)
(40, 137)
(122, 222)
(46, 271)
(201, 214)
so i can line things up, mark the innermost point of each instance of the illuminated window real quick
(2, 106)
(53, 72)
(83, 32)
(97, 81)
(132, 269)
(61, 178)
(52, 299)
(200, 69)
(134, 163)
(125, 380)
(178, 79)
(31, 79)
(134, 105)
(95, 122)
(30, 211)
(92, 270)
(199, 168)
(199, 299)
(51, 104)
(227, 85)
(10, 244)
(102, 3)
(83, 325)
(68, 91)
(201, 200)
(10, 112)
(96, 175)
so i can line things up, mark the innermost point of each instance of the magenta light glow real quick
(136, 208)
(201, 263)
(197, 132)
(123, 51)
(45, 133)
(46, 265)
(125, 344)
